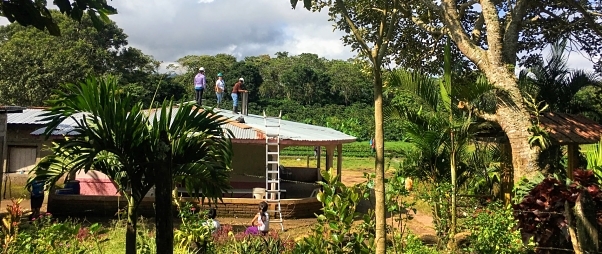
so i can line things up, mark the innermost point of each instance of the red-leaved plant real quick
(541, 214)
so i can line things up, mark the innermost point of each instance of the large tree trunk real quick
(163, 201)
(513, 117)
(379, 180)
(130, 234)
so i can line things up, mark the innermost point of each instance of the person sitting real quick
(261, 222)
(212, 222)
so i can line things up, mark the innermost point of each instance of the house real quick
(248, 163)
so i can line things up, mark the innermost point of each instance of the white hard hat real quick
(202, 69)
(242, 79)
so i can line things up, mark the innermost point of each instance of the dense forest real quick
(306, 87)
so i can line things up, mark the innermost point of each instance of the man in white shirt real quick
(220, 87)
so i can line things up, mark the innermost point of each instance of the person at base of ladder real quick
(235, 92)
(199, 86)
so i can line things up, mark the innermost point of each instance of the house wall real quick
(18, 139)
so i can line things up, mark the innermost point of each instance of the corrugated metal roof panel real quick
(28, 116)
(253, 128)
(292, 130)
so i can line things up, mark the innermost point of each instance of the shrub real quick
(494, 230)
(542, 213)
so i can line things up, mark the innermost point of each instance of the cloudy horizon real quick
(169, 30)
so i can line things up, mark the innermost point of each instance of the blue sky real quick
(171, 29)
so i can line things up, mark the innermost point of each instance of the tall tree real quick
(347, 81)
(490, 34)
(34, 63)
(372, 26)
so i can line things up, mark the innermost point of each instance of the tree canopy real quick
(35, 13)
(33, 62)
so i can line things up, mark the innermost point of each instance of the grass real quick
(355, 149)
(349, 163)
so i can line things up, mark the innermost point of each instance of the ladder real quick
(272, 167)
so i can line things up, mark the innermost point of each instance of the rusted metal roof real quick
(571, 129)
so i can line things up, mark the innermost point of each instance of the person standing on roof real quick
(199, 86)
(220, 87)
(235, 90)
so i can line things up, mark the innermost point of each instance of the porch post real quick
(572, 161)
(339, 160)
(318, 160)
(3, 149)
(329, 156)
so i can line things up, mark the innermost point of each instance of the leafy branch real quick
(539, 136)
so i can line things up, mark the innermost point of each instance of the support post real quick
(318, 162)
(329, 157)
(339, 160)
(244, 102)
(3, 149)
(572, 163)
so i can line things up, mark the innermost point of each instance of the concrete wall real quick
(248, 159)
(19, 135)
(63, 205)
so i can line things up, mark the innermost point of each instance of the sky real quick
(171, 29)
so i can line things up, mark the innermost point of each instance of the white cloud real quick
(169, 30)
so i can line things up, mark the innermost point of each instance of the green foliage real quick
(35, 63)
(539, 136)
(494, 230)
(594, 159)
(334, 232)
(35, 13)
(47, 235)
(255, 244)
(194, 234)
(413, 245)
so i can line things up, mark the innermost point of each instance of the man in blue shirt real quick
(37, 198)
(199, 86)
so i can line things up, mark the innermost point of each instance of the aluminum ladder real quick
(272, 167)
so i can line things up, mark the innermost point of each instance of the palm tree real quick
(551, 81)
(117, 137)
(440, 131)
(554, 83)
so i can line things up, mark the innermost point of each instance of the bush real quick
(494, 230)
(415, 246)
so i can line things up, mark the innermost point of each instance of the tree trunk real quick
(163, 201)
(514, 119)
(379, 180)
(515, 122)
(130, 234)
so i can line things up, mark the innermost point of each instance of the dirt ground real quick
(293, 228)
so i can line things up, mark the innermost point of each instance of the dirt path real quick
(421, 222)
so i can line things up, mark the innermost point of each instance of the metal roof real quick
(290, 130)
(11, 109)
(253, 130)
(28, 116)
